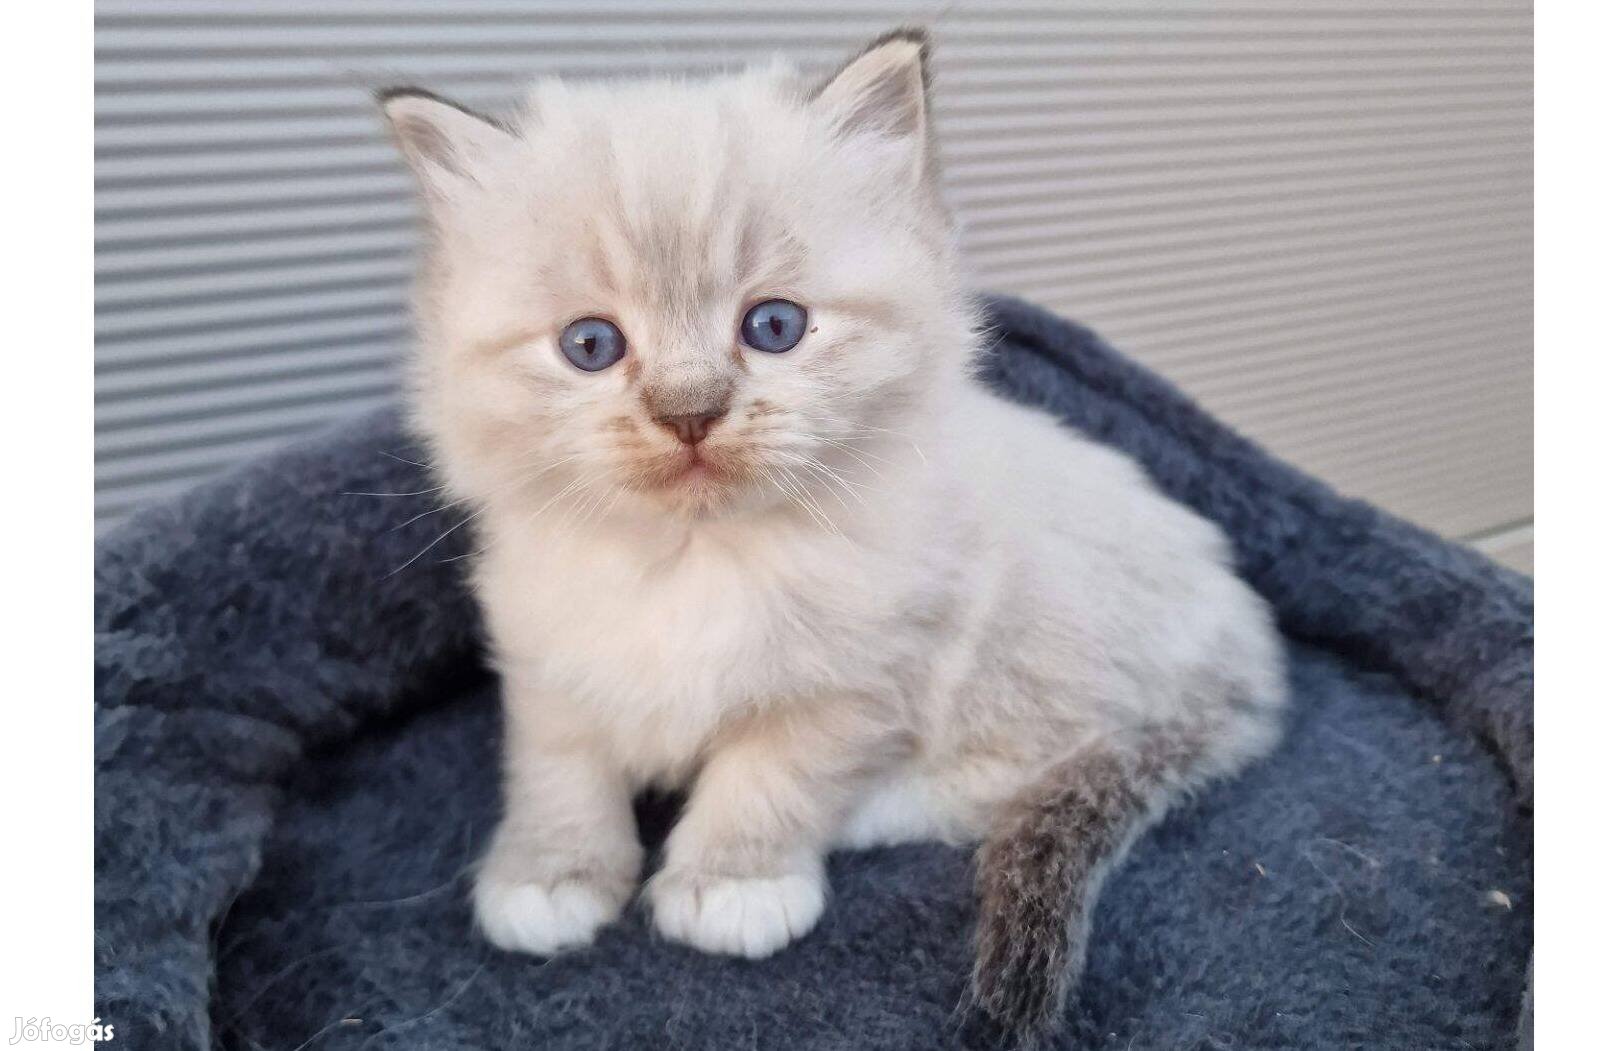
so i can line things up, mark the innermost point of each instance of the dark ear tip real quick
(919, 36)
(385, 96)
(910, 34)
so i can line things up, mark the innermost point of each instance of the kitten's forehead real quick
(677, 189)
(664, 147)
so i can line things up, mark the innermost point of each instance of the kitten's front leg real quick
(566, 856)
(744, 866)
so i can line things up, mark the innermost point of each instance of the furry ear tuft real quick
(438, 138)
(884, 89)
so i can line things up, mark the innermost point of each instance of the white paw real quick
(543, 919)
(736, 917)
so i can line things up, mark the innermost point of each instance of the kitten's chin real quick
(697, 495)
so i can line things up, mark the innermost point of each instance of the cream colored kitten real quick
(699, 352)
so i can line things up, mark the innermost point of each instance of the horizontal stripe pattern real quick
(1316, 218)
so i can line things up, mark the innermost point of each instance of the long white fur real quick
(905, 599)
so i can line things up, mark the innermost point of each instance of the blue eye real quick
(592, 344)
(774, 326)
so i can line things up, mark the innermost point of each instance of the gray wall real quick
(1316, 217)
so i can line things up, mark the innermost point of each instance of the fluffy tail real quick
(1039, 872)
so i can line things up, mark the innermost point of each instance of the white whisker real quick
(822, 470)
(405, 459)
(897, 434)
(583, 506)
(858, 453)
(422, 514)
(417, 492)
(521, 480)
(809, 503)
(433, 543)
(787, 493)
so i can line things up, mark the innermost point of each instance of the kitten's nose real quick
(691, 427)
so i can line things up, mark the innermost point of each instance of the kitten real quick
(699, 354)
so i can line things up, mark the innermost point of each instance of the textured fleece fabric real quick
(297, 755)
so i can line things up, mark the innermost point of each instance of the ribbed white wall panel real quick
(1315, 217)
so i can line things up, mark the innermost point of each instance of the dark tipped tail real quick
(1039, 872)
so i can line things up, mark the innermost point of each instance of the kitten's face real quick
(685, 297)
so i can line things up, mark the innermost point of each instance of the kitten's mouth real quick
(699, 470)
(694, 465)
(693, 471)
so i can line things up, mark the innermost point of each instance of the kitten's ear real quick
(444, 143)
(884, 91)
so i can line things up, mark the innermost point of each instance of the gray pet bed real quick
(296, 755)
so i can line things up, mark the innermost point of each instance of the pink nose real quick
(690, 428)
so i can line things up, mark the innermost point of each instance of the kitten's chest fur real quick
(661, 637)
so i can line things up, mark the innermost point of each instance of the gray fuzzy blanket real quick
(296, 763)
